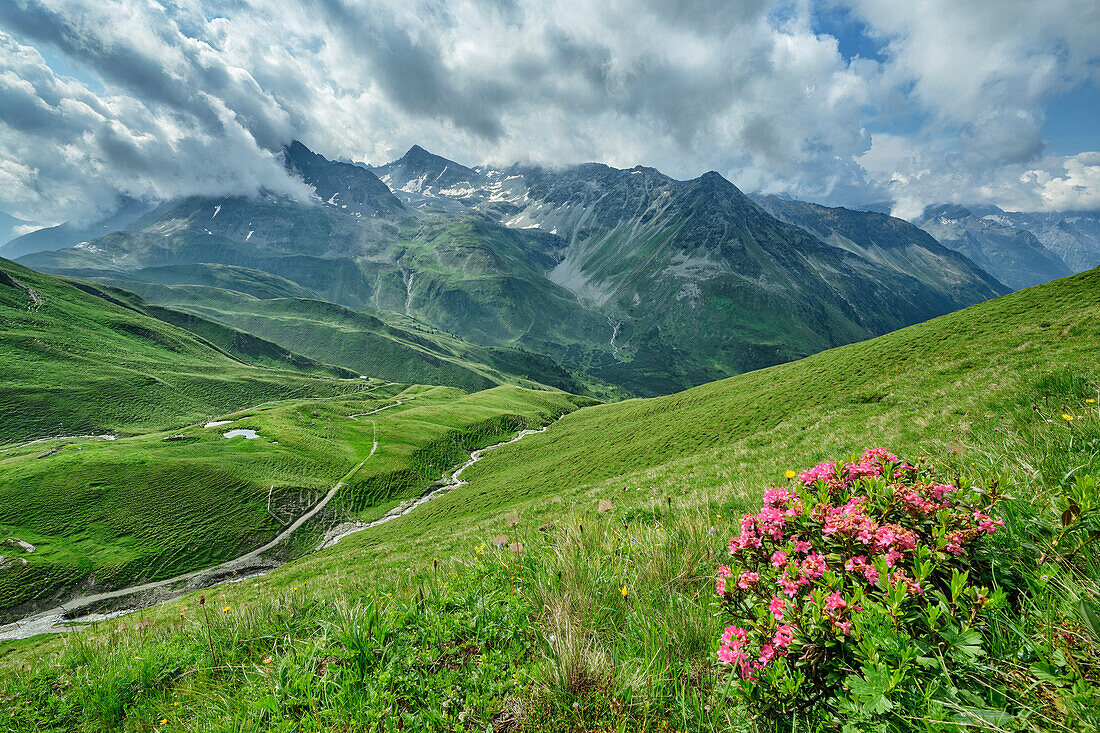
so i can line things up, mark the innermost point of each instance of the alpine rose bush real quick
(850, 591)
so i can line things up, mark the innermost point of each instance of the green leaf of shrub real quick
(871, 689)
(1090, 615)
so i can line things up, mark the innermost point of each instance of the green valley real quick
(383, 344)
(114, 409)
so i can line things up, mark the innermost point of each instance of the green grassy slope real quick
(76, 363)
(238, 344)
(157, 505)
(397, 349)
(915, 390)
(546, 633)
(257, 283)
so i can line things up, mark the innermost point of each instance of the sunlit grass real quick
(425, 618)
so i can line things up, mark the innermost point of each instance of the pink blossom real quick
(733, 633)
(845, 627)
(732, 649)
(791, 586)
(777, 606)
(772, 521)
(767, 653)
(863, 469)
(745, 541)
(814, 565)
(778, 495)
(873, 463)
(986, 523)
(824, 472)
(859, 564)
(800, 546)
(724, 574)
(848, 520)
(989, 526)
(779, 559)
(747, 579)
(784, 635)
(834, 601)
(941, 490)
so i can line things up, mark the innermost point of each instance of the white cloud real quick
(20, 229)
(191, 97)
(1078, 188)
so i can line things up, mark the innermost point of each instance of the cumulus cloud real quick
(197, 96)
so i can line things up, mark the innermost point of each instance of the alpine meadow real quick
(304, 427)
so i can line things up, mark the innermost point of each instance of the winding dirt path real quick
(55, 619)
(51, 620)
(450, 483)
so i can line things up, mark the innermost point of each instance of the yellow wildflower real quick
(164, 721)
(1067, 418)
(623, 591)
(1090, 400)
(225, 610)
(790, 474)
(176, 704)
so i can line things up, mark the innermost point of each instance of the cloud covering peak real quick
(101, 98)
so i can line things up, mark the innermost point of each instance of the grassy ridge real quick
(397, 348)
(75, 363)
(240, 345)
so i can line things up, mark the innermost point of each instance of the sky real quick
(908, 102)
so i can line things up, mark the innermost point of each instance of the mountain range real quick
(1074, 236)
(629, 279)
(1014, 255)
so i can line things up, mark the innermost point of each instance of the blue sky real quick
(837, 101)
(1072, 120)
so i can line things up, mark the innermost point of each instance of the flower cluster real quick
(874, 538)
